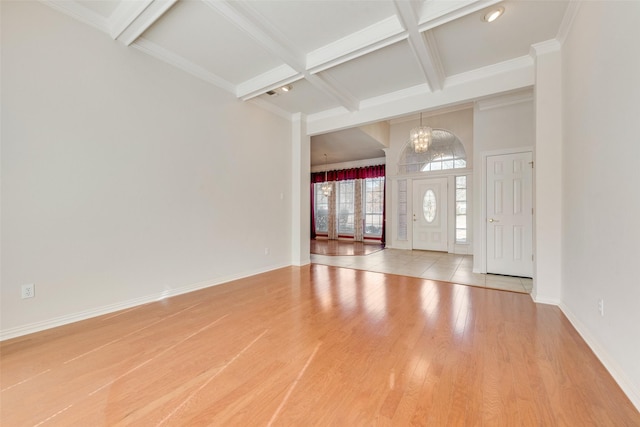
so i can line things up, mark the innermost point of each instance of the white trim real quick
(437, 112)
(79, 12)
(567, 21)
(428, 59)
(124, 15)
(132, 27)
(263, 103)
(159, 52)
(602, 354)
(450, 11)
(505, 100)
(544, 47)
(364, 41)
(99, 311)
(269, 80)
(522, 62)
(543, 300)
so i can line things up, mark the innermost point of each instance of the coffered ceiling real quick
(339, 56)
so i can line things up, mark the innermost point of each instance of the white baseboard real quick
(541, 299)
(87, 314)
(601, 353)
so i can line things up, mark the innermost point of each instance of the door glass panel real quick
(429, 206)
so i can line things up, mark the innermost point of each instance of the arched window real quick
(446, 152)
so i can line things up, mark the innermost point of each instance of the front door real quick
(510, 215)
(430, 214)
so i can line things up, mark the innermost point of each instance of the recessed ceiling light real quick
(493, 14)
(286, 88)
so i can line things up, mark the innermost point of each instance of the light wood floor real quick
(316, 345)
(342, 248)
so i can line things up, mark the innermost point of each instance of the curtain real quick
(346, 174)
(358, 219)
(357, 174)
(332, 225)
(383, 238)
(313, 211)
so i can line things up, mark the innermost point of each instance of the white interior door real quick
(430, 214)
(510, 215)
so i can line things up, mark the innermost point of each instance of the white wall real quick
(124, 178)
(601, 209)
(503, 122)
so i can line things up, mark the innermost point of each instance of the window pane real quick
(345, 207)
(461, 208)
(321, 206)
(373, 206)
(429, 206)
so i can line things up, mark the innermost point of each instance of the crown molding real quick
(433, 113)
(505, 100)
(331, 87)
(548, 46)
(511, 65)
(178, 61)
(264, 104)
(567, 21)
(79, 12)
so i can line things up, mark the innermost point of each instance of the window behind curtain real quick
(373, 200)
(322, 210)
(373, 206)
(345, 206)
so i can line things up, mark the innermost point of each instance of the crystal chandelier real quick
(420, 137)
(326, 185)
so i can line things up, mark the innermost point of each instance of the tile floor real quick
(428, 265)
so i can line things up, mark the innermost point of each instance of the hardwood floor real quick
(341, 248)
(316, 345)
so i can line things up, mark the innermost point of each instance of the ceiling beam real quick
(131, 19)
(425, 53)
(257, 27)
(435, 14)
(366, 40)
(157, 51)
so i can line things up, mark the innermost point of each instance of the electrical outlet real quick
(28, 291)
(266, 251)
(601, 307)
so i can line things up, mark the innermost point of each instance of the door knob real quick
(493, 220)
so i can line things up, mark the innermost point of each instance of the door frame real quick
(480, 238)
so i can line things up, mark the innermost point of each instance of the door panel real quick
(430, 214)
(509, 215)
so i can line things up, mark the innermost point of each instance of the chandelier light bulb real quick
(420, 138)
